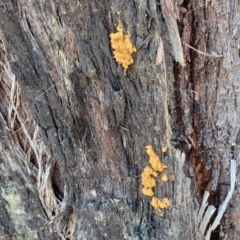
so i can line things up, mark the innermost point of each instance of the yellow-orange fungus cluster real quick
(164, 149)
(149, 182)
(164, 177)
(123, 47)
(160, 204)
(154, 160)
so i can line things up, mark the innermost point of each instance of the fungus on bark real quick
(148, 179)
(160, 204)
(123, 48)
(154, 160)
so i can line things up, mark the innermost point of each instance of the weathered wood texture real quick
(211, 119)
(74, 126)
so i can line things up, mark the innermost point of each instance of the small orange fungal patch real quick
(149, 171)
(149, 182)
(147, 191)
(164, 177)
(154, 160)
(160, 204)
(122, 47)
(147, 179)
(164, 149)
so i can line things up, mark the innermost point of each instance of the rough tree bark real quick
(74, 125)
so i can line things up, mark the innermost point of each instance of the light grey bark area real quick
(74, 125)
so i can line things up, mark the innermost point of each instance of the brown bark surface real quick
(74, 125)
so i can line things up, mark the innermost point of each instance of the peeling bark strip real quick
(73, 125)
(160, 53)
(173, 31)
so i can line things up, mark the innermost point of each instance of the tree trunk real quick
(75, 124)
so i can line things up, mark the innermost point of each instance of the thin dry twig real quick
(203, 53)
